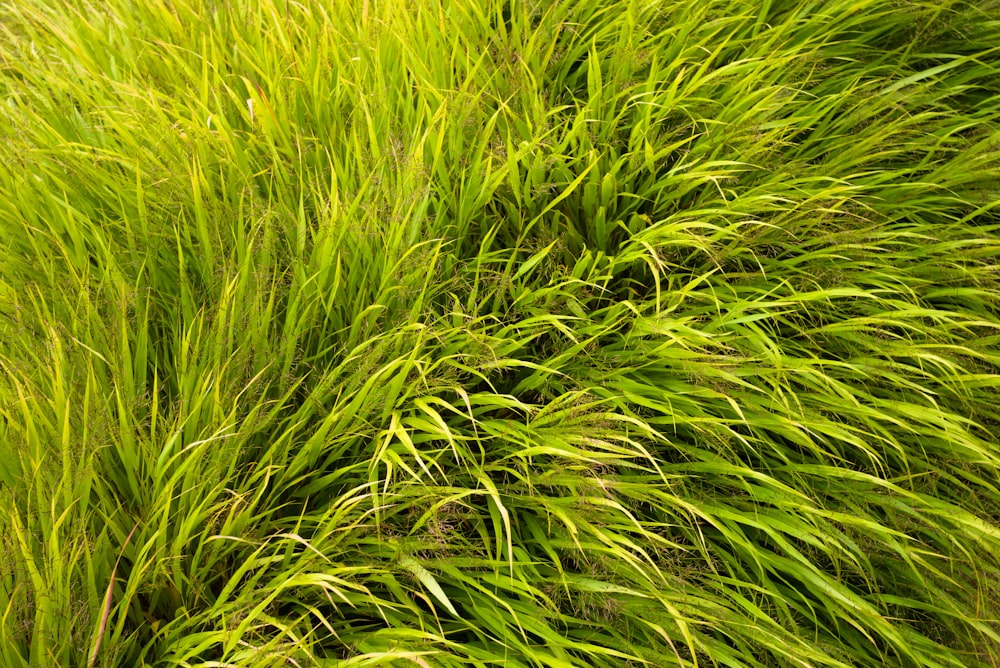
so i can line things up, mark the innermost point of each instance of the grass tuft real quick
(627, 333)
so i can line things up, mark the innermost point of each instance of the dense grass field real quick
(499, 333)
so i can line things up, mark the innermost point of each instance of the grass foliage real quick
(520, 333)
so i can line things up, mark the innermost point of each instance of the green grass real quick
(500, 333)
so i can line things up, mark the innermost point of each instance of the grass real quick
(428, 333)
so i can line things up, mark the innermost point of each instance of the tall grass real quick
(622, 333)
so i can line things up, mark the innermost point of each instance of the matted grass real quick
(498, 333)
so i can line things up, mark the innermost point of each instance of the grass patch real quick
(424, 333)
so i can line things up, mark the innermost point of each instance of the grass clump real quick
(506, 333)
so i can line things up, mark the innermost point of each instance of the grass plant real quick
(499, 333)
